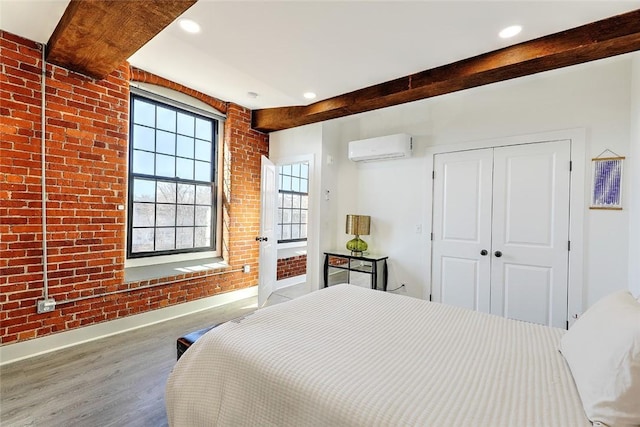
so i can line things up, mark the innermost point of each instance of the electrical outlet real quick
(246, 268)
(46, 305)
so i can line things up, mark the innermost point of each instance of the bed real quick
(349, 356)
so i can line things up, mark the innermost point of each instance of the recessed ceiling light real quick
(309, 95)
(510, 31)
(190, 26)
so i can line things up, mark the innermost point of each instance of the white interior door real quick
(462, 229)
(530, 231)
(268, 247)
(501, 227)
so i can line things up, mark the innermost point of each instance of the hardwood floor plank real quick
(115, 381)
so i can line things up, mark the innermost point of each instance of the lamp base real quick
(357, 246)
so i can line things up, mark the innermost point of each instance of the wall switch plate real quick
(246, 268)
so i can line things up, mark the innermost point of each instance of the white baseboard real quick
(22, 350)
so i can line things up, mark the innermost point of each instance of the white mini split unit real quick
(381, 148)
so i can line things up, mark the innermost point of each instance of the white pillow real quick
(602, 350)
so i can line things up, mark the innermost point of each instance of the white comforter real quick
(349, 356)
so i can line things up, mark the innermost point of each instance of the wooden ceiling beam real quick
(602, 39)
(94, 37)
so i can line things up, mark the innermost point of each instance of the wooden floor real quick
(114, 381)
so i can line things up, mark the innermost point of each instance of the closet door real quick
(462, 229)
(530, 229)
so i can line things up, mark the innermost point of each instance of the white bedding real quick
(349, 356)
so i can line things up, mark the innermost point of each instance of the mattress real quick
(349, 356)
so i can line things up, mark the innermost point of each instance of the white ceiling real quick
(282, 49)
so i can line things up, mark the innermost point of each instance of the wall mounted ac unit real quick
(381, 148)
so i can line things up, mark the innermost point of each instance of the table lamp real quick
(358, 225)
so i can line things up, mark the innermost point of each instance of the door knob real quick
(484, 252)
(498, 254)
(261, 239)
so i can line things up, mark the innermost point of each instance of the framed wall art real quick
(606, 190)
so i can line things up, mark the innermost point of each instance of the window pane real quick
(288, 201)
(142, 240)
(143, 138)
(304, 202)
(185, 124)
(286, 170)
(142, 162)
(295, 184)
(286, 232)
(202, 237)
(165, 142)
(184, 237)
(303, 231)
(304, 170)
(203, 171)
(166, 215)
(185, 168)
(165, 239)
(295, 231)
(144, 190)
(166, 119)
(303, 216)
(295, 169)
(165, 165)
(185, 215)
(286, 183)
(185, 146)
(203, 215)
(143, 214)
(286, 216)
(295, 216)
(144, 113)
(203, 129)
(203, 195)
(166, 192)
(304, 186)
(186, 194)
(296, 200)
(203, 150)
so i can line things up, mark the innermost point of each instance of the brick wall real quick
(86, 156)
(291, 267)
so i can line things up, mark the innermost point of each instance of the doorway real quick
(292, 221)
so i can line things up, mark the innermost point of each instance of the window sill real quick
(146, 272)
(293, 252)
(292, 245)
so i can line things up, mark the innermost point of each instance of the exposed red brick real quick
(291, 267)
(87, 127)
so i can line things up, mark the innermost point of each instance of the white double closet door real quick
(501, 227)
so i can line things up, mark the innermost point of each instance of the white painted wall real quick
(633, 170)
(594, 97)
(392, 193)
